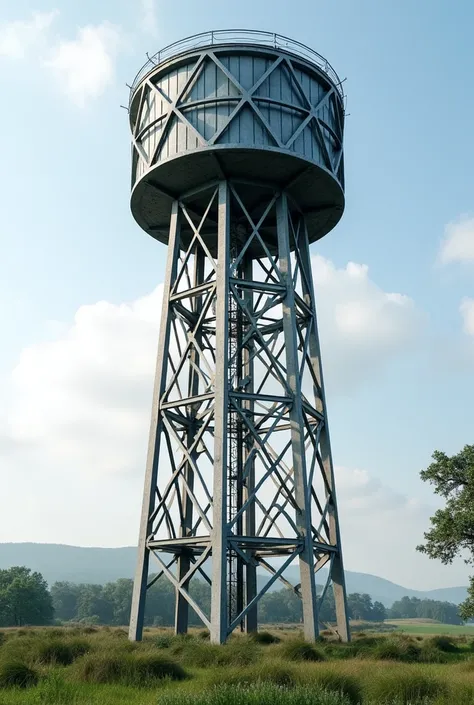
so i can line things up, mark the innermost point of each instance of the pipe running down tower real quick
(237, 166)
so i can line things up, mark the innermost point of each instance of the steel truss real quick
(239, 472)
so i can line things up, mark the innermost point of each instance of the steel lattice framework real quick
(239, 466)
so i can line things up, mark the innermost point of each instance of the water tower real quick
(237, 166)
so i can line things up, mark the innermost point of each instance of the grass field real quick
(413, 626)
(99, 666)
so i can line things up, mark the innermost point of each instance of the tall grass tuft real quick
(296, 650)
(262, 694)
(405, 687)
(61, 653)
(137, 669)
(54, 689)
(265, 638)
(328, 678)
(397, 650)
(164, 641)
(443, 643)
(202, 654)
(274, 672)
(15, 674)
(430, 654)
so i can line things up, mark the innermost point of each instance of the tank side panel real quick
(241, 98)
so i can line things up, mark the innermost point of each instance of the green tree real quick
(452, 528)
(65, 596)
(24, 598)
(412, 607)
(119, 594)
(379, 613)
(360, 606)
(93, 605)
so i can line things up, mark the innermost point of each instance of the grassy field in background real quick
(99, 666)
(414, 626)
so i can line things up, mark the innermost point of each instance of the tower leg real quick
(337, 568)
(301, 489)
(141, 576)
(219, 515)
(251, 619)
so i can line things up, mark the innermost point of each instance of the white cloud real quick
(86, 394)
(84, 66)
(380, 531)
(20, 38)
(148, 19)
(458, 242)
(467, 312)
(361, 325)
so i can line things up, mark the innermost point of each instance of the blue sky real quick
(400, 384)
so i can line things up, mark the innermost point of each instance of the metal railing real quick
(236, 36)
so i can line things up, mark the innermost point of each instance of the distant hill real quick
(101, 565)
(71, 563)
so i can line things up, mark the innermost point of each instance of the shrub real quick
(406, 687)
(15, 674)
(265, 638)
(295, 650)
(137, 669)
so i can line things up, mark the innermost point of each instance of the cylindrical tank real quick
(250, 107)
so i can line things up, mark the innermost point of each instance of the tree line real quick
(110, 604)
(26, 600)
(412, 607)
